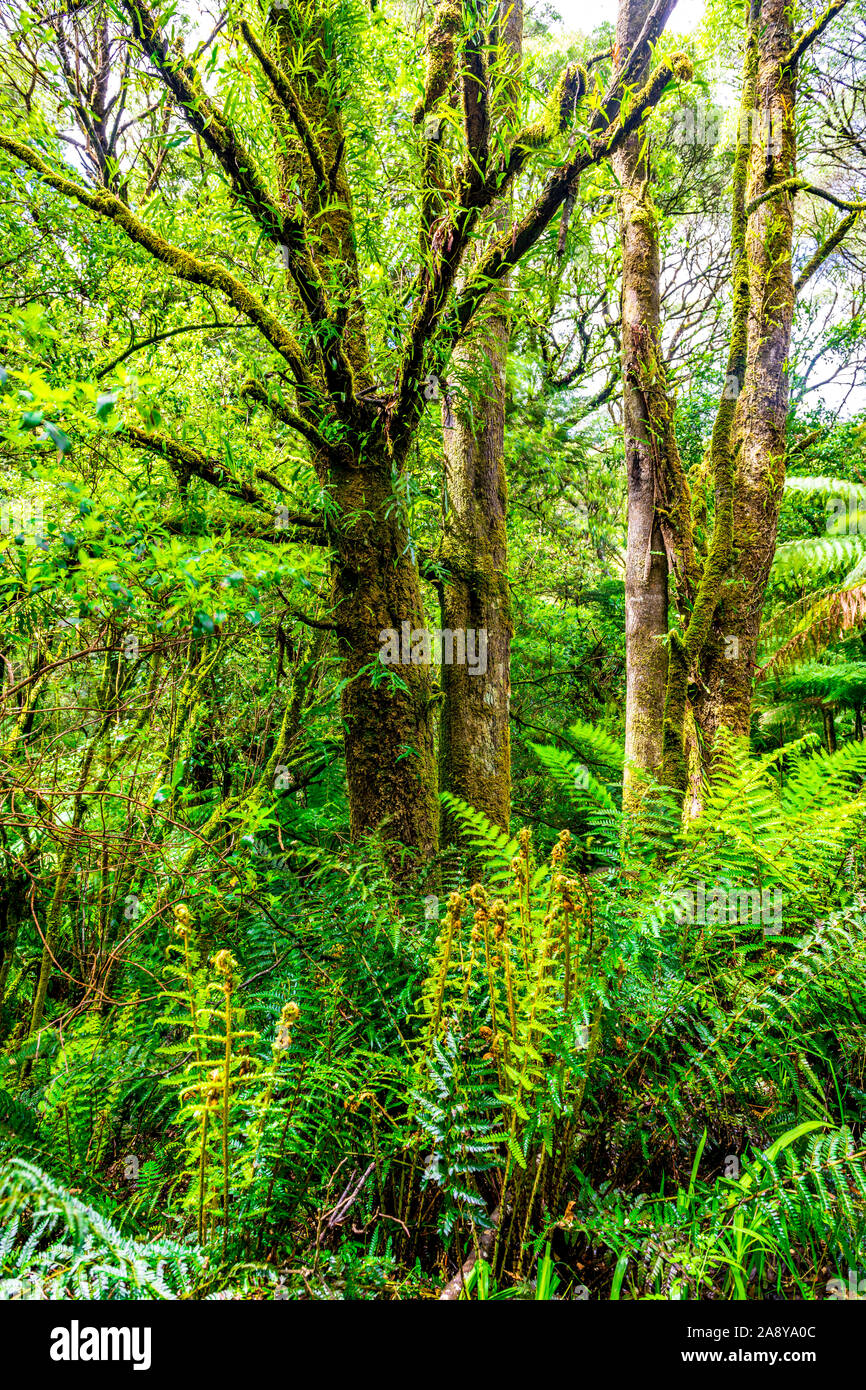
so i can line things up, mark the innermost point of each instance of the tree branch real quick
(289, 99)
(803, 186)
(824, 251)
(808, 38)
(505, 253)
(635, 62)
(160, 338)
(189, 462)
(304, 427)
(184, 265)
(281, 227)
(476, 109)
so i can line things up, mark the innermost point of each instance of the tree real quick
(646, 572)
(359, 433)
(475, 732)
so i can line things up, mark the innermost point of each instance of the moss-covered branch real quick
(288, 98)
(314, 437)
(181, 263)
(506, 252)
(562, 108)
(807, 38)
(430, 322)
(281, 227)
(441, 56)
(188, 462)
(824, 251)
(803, 186)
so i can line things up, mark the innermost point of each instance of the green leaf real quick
(618, 1277)
(203, 622)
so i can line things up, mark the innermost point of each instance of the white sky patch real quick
(585, 15)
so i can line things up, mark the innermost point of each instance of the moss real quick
(561, 108)
(568, 94)
(288, 97)
(674, 766)
(682, 67)
(808, 37)
(447, 24)
(642, 215)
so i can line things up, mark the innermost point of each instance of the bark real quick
(387, 713)
(704, 638)
(646, 570)
(475, 748)
(475, 743)
(723, 694)
(390, 764)
(829, 728)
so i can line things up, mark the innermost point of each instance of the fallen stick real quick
(484, 1249)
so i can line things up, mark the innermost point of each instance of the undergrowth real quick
(552, 1077)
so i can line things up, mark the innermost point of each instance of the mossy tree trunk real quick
(388, 718)
(723, 694)
(475, 746)
(712, 661)
(475, 741)
(646, 570)
(387, 714)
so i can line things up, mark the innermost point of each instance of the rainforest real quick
(433, 637)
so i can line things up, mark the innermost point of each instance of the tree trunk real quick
(475, 747)
(646, 571)
(723, 696)
(474, 740)
(391, 772)
(387, 709)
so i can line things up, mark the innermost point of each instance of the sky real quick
(586, 14)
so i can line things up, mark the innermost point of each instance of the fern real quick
(55, 1246)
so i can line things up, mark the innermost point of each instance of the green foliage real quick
(55, 1246)
(246, 1055)
(505, 1006)
(551, 1036)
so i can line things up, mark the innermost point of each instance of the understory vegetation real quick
(305, 1084)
